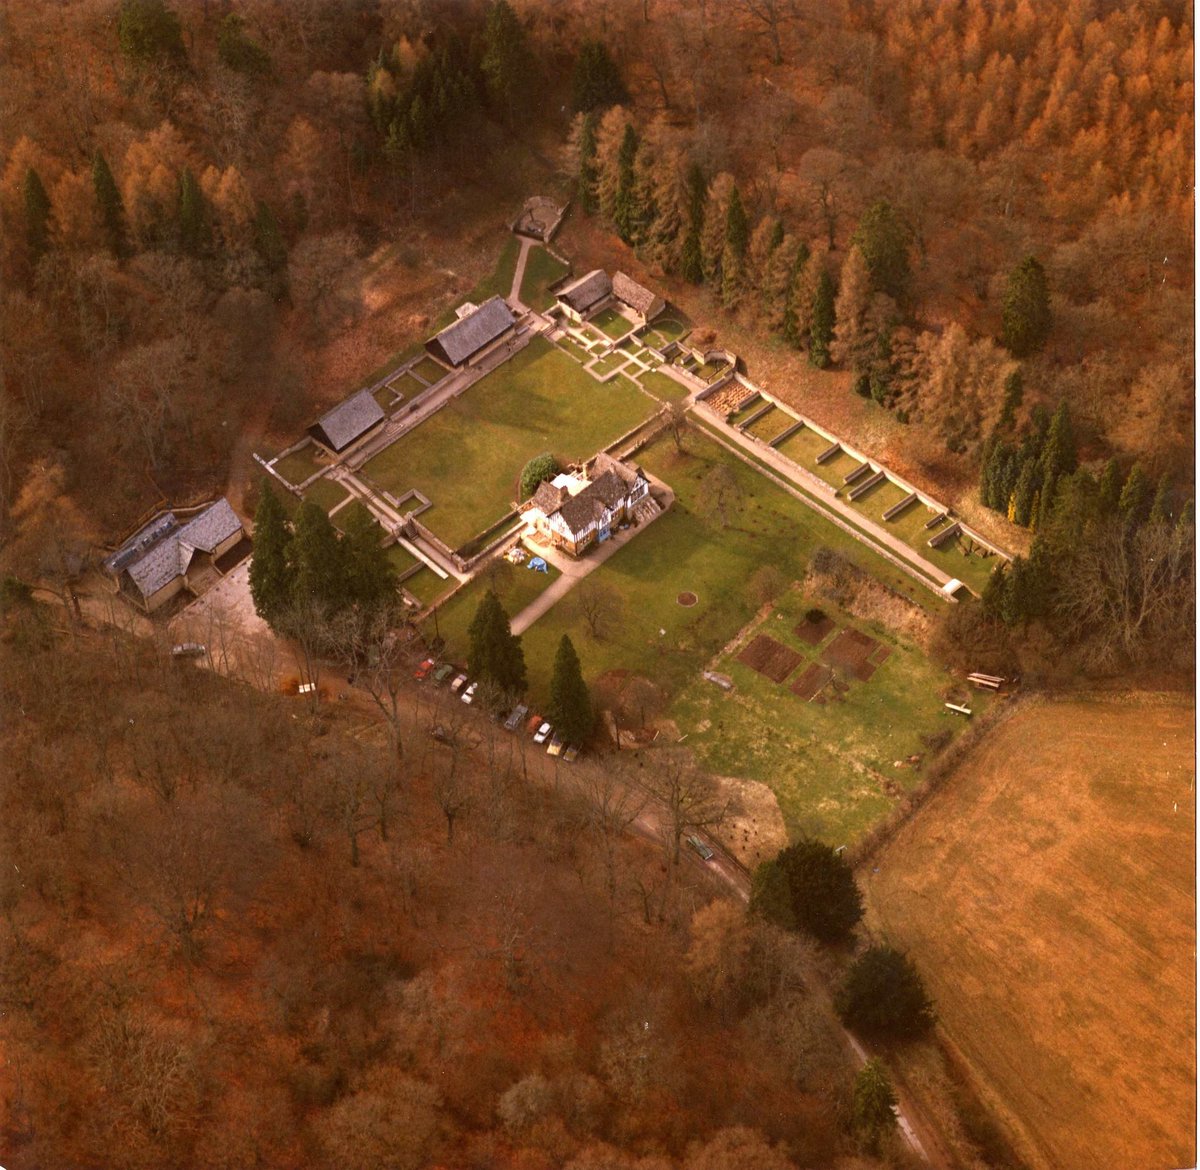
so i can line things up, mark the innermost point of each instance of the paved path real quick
(870, 533)
(574, 570)
(514, 296)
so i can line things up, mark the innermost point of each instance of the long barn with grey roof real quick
(167, 556)
(476, 331)
(585, 296)
(349, 421)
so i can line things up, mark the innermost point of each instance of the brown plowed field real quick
(849, 651)
(769, 657)
(1047, 894)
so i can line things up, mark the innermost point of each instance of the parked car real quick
(543, 733)
(422, 671)
(570, 755)
(556, 746)
(535, 721)
(456, 685)
(515, 716)
(468, 696)
(442, 673)
(189, 650)
(706, 854)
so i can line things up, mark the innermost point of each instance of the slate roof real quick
(590, 504)
(628, 291)
(140, 541)
(348, 421)
(548, 497)
(457, 342)
(170, 553)
(627, 472)
(590, 289)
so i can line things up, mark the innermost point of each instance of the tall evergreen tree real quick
(195, 222)
(1135, 496)
(884, 241)
(148, 31)
(238, 51)
(821, 327)
(1160, 509)
(368, 576)
(37, 216)
(495, 657)
(1111, 481)
(1026, 312)
(112, 206)
(826, 900)
(851, 341)
(874, 1101)
(884, 998)
(507, 62)
(1058, 453)
(586, 180)
(315, 554)
(626, 213)
(1014, 391)
(270, 575)
(737, 225)
(692, 263)
(596, 81)
(1023, 493)
(570, 708)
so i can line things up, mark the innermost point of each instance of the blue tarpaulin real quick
(539, 564)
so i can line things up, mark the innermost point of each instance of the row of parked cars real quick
(519, 718)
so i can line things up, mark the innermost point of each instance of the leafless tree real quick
(688, 798)
(599, 605)
(613, 804)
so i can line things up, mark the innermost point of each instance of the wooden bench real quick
(868, 484)
(858, 472)
(829, 453)
(896, 509)
(946, 534)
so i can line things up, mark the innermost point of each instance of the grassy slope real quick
(467, 457)
(829, 765)
(541, 271)
(1048, 896)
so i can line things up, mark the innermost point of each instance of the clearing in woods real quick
(1047, 894)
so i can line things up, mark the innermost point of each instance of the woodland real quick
(234, 932)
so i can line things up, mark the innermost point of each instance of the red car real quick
(422, 671)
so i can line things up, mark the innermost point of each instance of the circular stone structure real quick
(687, 599)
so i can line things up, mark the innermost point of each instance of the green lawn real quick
(299, 465)
(773, 423)
(684, 550)
(429, 370)
(326, 494)
(425, 585)
(541, 271)
(515, 585)
(612, 362)
(663, 387)
(831, 764)
(355, 507)
(612, 323)
(664, 331)
(467, 457)
(401, 559)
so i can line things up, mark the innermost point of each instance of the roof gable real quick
(636, 296)
(590, 289)
(214, 525)
(350, 420)
(468, 336)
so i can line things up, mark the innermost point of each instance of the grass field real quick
(326, 494)
(425, 585)
(429, 370)
(401, 559)
(541, 271)
(830, 765)
(664, 331)
(299, 465)
(1047, 893)
(516, 589)
(612, 324)
(612, 362)
(663, 387)
(685, 550)
(468, 456)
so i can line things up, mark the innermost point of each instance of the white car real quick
(459, 680)
(468, 696)
(542, 733)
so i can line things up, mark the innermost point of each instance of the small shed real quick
(348, 421)
(474, 333)
(585, 296)
(646, 304)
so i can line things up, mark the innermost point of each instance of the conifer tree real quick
(495, 657)
(850, 340)
(596, 81)
(506, 63)
(1160, 509)
(570, 708)
(873, 1109)
(777, 284)
(626, 213)
(1014, 391)
(315, 554)
(884, 242)
(716, 218)
(1111, 481)
(368, 577)
(111, 205)
(1187, 517)
(1023, 493)
(692, 261)
(1134, 496)
(737, 225)
(801, 296)
(586, 179)
(148, 31)
(1058, 453)
(195, 223)
(37, 216)
(821, 325)
(826, 900)
(270, 576)
(1026, 312)
(238, 51)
